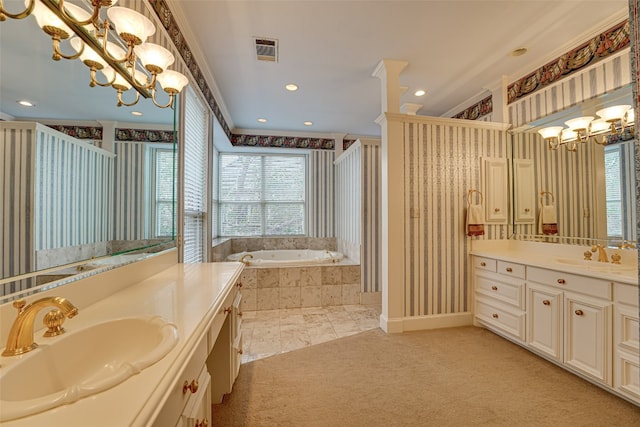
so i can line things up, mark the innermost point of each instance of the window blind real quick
(261, 195)
(195, 155)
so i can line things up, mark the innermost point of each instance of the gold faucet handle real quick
(19, 304)
(587, 255)
(53, 320)
(615, 258)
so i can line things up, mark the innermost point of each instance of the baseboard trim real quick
(419, 323)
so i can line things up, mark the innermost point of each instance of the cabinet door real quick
(588, 336)
(544, 320)
(524, 191)
(496, 185)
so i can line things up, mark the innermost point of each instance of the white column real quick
(108, 135)
(499, 99)
(388, 71)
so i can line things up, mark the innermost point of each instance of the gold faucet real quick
(243, 260)
(20, 338)
(602, 253)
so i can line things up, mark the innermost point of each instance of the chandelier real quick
(111, 41)
(613, 123)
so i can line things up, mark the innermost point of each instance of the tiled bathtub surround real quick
(224, 247)
(295, 287)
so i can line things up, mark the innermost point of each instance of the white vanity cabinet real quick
(574, 312)
(224, 360)
(626, 349)
(499, 296)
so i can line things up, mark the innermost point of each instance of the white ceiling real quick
(456, 50)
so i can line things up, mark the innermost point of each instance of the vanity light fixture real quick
(136, 113)
(262, 120)
(420, 92)
(291, 87)
(25, 103)
(114, 44)
(617, 120)
(308, 123)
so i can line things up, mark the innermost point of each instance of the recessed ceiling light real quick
(420, 92)
(261, 120)
(291, 87)
(519, 52)
(25, 103)
(308, 123)
(136, 113)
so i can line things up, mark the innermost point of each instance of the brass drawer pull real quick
(239, 284)
(483, 264)
(203, 423)
(509, 269)
(239, 313)
(579, 312)
(561, 281)
(546, 302)
(496, 210)
(494, 288)
(193, 387)
(495, 315)
(527, 210)
(227, 310)
(240, 351)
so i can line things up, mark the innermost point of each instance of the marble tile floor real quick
(269, 332)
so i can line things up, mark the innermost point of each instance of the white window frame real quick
(219, 203)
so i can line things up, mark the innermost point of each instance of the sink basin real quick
(598, 266)
(81, 363)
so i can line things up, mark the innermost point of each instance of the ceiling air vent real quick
(266, 49)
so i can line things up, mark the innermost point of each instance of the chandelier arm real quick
(91, 20)
(105, 37)
(94, 80)
(57, 54)
(21, 15)
(121, 101)
(168, 105)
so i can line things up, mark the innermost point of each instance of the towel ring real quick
(470, 192)
(543, 193)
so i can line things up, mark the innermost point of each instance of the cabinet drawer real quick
(627, 377)
(571, 282)
(482, 263)
(198, 408)
(502, 291)
(627, 327)
(511, 269)
(219, 318)
(511, 322)
(178, 399)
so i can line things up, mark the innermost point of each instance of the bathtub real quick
(286, 257)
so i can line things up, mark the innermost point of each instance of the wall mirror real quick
(144, 152)
(591, 189)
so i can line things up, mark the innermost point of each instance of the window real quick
(164, 194)
(613, 186)
(261, 195)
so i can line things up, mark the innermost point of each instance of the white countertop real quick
(547, 255)
(187, 295)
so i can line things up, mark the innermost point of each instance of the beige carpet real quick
(448, 377)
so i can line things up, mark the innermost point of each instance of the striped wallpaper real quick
(605, 76)
(349, 200)
(65, 187)
(358, 208)
(441, 163)
(128, 192)
(321, 194)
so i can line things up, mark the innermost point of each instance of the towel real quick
(547, 221)
(475, 220)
